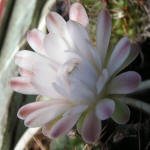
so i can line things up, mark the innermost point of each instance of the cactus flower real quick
(77, 83)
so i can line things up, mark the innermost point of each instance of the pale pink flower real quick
(77, 82)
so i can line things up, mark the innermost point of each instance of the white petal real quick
(83, 80)
(90, 53)
(76, 110)
(72, 77)
(105, 109)
(25, 73)
(103, 33)
(35, 39)
(56, 48)
(61, 127)
(81, 94)
(102, 81)
(44, 115)
(27, 109)
(85, 73)
(43, 81)
(28, 59)
(77, 13)
(119, 55)
(125, 83)
(121, 114)
(23, 85)
(55, 23)
(91, 128)
(44, 72)
(78, 35)
(95, 57)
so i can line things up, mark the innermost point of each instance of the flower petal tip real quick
(77, 13)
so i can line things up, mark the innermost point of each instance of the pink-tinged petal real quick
(102, 81)
(27, 109)
(25, 73)
(77, 81)
(89, 53)
(134, 52)
(91, 128)
(105, 109)
(119, 55)
(103, 33)
(121, 114)
(22, 85)
(77, 13)
(79, 35)
(59, 86)
(55, 23)
(28, 59)
(61, 127)
(83, 85)
(46, 114)
(56, 48)
(83, 68)
(75, 29)
(35, 39)
(80, 93)
(76, 110)
(44, 72)
(92, 55)
(43, 81)
(125, 83)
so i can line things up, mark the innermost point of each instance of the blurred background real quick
(130, 18)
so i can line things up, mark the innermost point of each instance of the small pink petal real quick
(77, 13)
(103, 33)
(119, 55)
(39, 117)
(121, 114)
(35, 39)
(23, 85)
(91, 128)
(125, 83)
(62, 126)
(102, 81)
(105, 109)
